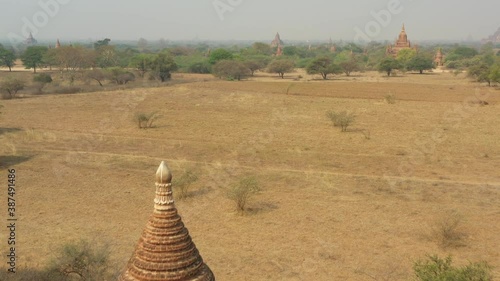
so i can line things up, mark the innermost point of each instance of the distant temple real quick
(495, 38)
(439, 58)
(58, 44)
(401, 43)
(30, 40)
(277, 41)
(165, 251)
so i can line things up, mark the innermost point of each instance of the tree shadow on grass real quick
(9, 161)
(261, 207)
(9, 130)
(23, 274)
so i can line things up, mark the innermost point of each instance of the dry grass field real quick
(359, 205)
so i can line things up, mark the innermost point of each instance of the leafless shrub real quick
(241, 192)
(448, 230)
(145, 120)
(183, 183)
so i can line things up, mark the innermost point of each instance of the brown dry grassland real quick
(327, 210)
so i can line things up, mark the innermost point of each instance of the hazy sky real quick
(248, 19)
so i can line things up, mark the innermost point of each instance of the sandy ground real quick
(359, 205)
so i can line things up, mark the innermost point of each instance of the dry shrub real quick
(183, 183)
(448, 230)
(342, 119)
(390, 99)
(145, 120)
(438, 269)
(241, 192)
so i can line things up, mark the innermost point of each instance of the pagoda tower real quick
(439, 58)
(58, 44)
(165, 251)
(401, 43)
(277, 41)
(30, 40)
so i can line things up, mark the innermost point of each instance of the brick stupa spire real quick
(165, 251)
(277, 41)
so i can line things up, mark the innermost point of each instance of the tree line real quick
(121, 64)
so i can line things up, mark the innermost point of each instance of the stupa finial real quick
(164, 198)
(163, 174)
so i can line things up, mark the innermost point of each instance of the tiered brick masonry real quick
(165, 251)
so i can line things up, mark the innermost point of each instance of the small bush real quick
(342, 119)
(240, 193)
(43, 78)
(120, 76)
(199, 67)
(81, 261)
(447, 230)
(437, 269)
(11, 86)
(183, 183)
(390, 99)
(145, 120)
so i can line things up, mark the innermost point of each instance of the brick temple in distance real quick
(401, 43)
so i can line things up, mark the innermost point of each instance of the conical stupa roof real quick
(165, 250)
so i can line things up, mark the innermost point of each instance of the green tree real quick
(281, 66)
(350, 66)
(43, 78)
(162, 66)
(40, 81)
(353, 47)
(405, 56)
(256, 63)
(119, 75)
(142, 62)
(388, 65)
(420, 63)
(50, 58)
(7, 57)
(480, 72)
(106, 56)
(230, 69)
(200, 67)
(323, 66)
(464, 52)
(456, 57)
(260, 48)
(100, 43)
(494, 74)
(294, 51)
(218, 55)
(33, 57)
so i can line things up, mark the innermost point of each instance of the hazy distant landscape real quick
(356, 146)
